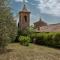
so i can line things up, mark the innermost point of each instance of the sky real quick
(48, 10)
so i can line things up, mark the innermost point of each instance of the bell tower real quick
(24, 17)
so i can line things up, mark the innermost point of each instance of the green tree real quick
(28, 31)
(8, 27)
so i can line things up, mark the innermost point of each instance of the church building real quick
(24, 17)
(39, 24)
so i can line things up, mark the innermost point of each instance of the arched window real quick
(25, 18)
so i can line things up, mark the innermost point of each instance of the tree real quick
(28, 31)
(8, 27)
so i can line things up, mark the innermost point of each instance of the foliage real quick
(8, 27)
(27, 32)
(24, 40)
(57, 40)
(49, 39)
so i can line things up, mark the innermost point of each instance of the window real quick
(25, 18)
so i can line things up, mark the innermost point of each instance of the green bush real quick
(24, 40)
(49, 39)
(57, 40)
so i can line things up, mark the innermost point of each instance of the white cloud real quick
(49, 7)
(21, 0)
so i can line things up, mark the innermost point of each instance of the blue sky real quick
(48, 10)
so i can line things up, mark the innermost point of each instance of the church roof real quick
(25, 9)
(40, 22)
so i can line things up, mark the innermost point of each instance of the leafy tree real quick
(8, 27)
(28, 31)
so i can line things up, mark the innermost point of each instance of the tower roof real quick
(24, 9)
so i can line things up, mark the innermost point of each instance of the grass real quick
(33, 52)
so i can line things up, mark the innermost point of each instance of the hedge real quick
(49, 39)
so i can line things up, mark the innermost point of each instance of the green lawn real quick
(33, 52)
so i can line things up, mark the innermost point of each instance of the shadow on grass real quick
(50, 46)
(5, 51)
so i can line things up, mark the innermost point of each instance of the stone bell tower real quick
(24, 17)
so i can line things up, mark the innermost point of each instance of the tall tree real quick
(8, 26)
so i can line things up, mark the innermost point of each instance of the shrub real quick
(49, 39)
(57, 40)
(24, 40)
(33, 37)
